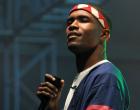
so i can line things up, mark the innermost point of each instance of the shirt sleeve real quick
(105, 96)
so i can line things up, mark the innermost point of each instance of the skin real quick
(46, 89)
(82, 25)
(86, 39)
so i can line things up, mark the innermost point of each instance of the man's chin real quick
(79, 49)
(74, 49)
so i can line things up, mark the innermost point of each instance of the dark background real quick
(33, 42)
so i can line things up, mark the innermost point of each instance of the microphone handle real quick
(45, 101)
(44, 104)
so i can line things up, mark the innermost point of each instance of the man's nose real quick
(74, 25)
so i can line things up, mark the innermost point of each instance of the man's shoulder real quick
(105, 68)
(105, 73)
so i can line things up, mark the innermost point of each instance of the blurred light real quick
(98, 1)
(86, 1)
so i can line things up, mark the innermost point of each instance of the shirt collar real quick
(84, 73)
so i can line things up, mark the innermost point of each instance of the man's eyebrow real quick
(68, 18)
(83, 16)
(78, 17)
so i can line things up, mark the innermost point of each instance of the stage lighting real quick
(99, 2)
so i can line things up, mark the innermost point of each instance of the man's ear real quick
(105, 35)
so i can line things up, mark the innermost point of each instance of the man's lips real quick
(73, 35)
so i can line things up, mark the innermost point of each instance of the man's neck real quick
(85, 60)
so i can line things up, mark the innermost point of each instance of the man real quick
(99, 84)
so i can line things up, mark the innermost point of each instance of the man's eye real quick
(70, 21)
(83, 19)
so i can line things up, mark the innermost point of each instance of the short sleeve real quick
(105, 95)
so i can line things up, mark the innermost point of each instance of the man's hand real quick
(49, 92)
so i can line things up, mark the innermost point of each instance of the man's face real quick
(83, 32)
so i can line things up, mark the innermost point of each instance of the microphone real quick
(44, 104)
(44, 99)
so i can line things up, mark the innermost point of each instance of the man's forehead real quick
(80, 13)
